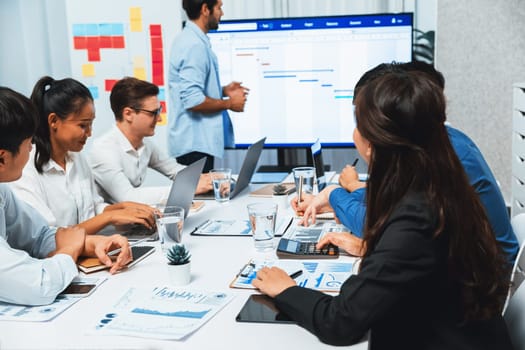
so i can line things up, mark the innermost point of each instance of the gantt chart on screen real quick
(301, 72)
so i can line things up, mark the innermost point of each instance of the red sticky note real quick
(156, 56)
(109, 83)
(79, 42)
(118, 42)
(106, 42)
(155, 29)
(93, 42)
(156, 42)
(94, 55)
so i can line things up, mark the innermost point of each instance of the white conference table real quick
(215, 262)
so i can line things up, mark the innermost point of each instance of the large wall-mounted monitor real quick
(301, 72)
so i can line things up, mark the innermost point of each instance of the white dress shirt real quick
(62, 197)
(26, 275)
(120, 169)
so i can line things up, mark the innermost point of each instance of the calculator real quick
(288, 248)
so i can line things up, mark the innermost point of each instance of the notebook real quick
(181, 194)
(246, 173)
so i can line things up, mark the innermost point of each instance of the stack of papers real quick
(12, 312)
(161, 312)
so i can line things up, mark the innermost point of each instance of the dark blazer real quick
(402, 294)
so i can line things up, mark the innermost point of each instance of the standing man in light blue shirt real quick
(37, 261)
(198, 120)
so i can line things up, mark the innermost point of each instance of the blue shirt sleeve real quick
(350, 208)
(27, 275)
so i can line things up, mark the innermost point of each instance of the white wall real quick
(481, 51)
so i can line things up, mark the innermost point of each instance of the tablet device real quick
(260, 308)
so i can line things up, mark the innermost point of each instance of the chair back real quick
(517, 275)
(518, 226)
(514, 317)
(518, 272)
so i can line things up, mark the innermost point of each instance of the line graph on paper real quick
(161, 312)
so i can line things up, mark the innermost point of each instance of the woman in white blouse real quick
(57, 180)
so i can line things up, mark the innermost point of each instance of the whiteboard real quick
(109, 40)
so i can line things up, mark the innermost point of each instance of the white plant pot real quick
(281, 201)
(179, 275)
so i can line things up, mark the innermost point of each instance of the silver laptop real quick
(247, 170)
(181, 194)
(184, 186)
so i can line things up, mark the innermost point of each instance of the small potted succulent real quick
(179, 266)
(280, 195)
(280, 190)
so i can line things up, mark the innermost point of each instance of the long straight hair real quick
(402, 115)
(62, 97)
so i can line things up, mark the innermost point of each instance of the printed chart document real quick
(326, 276)
(161, 312)
(216, 227)
(11, 312)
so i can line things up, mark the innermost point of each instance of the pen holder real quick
(179, 275)
(281, 200)
(179, 265)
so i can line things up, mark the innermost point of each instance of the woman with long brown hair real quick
(432, 275)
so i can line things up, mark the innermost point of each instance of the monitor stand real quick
(289, 158)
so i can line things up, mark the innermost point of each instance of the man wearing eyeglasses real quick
(199, 124)
(121, 157)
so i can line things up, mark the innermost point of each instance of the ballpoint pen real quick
(355, 162)
(296, 274)
(300, 190)
(118, 250)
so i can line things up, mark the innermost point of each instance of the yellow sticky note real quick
(135, 26)
(88, 70)
(139, 73)
(163, 120)
(135, 19)
(135, 13)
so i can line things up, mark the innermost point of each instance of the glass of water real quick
(221, 179)
(170, 224)
(305, 175)
(262, 220)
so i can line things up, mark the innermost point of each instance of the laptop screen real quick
(317, 158)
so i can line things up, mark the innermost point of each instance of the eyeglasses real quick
(153, 114)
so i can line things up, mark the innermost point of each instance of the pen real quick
(355, 162)
(118, 250)
(300, 190)
(200, 227)
(296, 274)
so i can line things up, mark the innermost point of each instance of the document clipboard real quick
(234, 227)
(322, 275)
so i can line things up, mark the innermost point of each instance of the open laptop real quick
(322, 177)
(181, 195)
(317, 157)
(245, 174)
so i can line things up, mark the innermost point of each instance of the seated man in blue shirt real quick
(348, 202)
(37, 262)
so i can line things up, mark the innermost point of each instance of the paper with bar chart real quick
(326, 276)
(161, 312)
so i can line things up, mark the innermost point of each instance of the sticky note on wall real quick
(139, 73)
(88, 70)
(135, 19)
